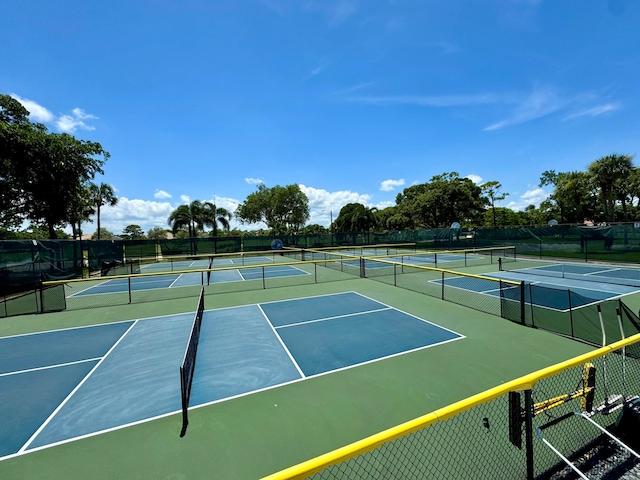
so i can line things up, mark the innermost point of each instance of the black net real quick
(100, 251)
(586, 272)
(188, 366)
(489, 295)
(25, 263)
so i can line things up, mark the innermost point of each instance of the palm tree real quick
(100, 195)
(221, 216)
(197, 215)
(608, 173)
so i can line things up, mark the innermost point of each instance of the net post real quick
(264, 281)
(570, 313)
(40, 308)
(185, 403)
(442, 293)
(435, 262)
(129, 288)
(499, 264)
(395, 281)
(362, 270)
(523, 304)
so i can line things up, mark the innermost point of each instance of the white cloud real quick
(145, 213)
(474, 178)
(389, 185)
(531, 197)
(280, 7)
(594, 111)
(325, 206)
(80, 114)
(322, 65)
(253, 181)
(71, 123)
(161, 194)
(37, 112)
(340, 12)
(541, 102)
(428, 100)
(64, 123)
(336, 13)
(352, 89)
(150, 213)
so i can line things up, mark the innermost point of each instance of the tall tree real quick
(492, 191)
(282, 209)
(355, 217)
(133, 232)
(572, 194)
(445, 199)
(608, 173)
(80, 211)
(101, 195)
(194, 216)
(219, 215)
(42, 174)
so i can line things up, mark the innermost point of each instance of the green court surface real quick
(257, 434)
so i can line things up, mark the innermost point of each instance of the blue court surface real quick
(119, 285)
(178, 264)
(545, 291)
(61, 385)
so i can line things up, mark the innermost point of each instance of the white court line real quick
(64, 402)
(295, 364)
(304, 322)
(47, 367)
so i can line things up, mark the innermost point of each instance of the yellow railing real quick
(526, 382)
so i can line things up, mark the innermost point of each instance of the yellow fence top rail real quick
(526, 382)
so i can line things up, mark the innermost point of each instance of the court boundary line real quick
(132, 290)
(286, 349)
(35, 435)
(335, 317)
(48, 367)
(412, 315)
(23, 451)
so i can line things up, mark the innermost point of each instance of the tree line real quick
(47, 179)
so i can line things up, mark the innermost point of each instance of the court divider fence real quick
(262, 270)
(557, 310)
(518, 430)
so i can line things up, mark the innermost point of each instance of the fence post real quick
(129, 287)
(528, 434)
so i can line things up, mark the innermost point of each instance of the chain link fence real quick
(545, 425)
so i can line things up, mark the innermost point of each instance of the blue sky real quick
(353, 100)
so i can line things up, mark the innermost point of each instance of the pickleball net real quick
(188, 366)
(627, 275)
